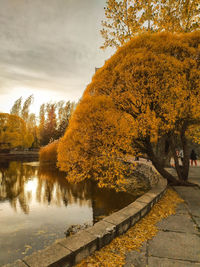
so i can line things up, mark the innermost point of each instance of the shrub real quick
(48, 153)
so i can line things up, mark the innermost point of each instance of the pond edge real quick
(69, 251)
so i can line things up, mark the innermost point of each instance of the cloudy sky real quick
(48, 48)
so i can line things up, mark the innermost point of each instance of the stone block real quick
(178, 223)
(136, 259)
(149, 198)
(142, 206)
(194, 208)
(156, 191)
(17, 263)
(133, 213)
(120, 220)
(103, 231)
(164, 262)
(82, 244)
(164, 245)
(54, 256)
(138, 205)
(181, 209)
(190, 194)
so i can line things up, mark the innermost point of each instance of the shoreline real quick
(71, 250)
(19, 155)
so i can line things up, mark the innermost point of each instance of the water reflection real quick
(37, 205)
(13, 177)
(23, 184)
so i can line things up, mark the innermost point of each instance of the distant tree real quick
(25, 108)
(51, 123)
(42, 125)
(16, 108)
(30, 119)
(154, 82)
(33, 129)
(54, 119)
(64, 114)
(13, 131)
(127, 18)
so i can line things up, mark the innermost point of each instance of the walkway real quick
(177, 243)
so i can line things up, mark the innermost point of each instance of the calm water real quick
(37, 205)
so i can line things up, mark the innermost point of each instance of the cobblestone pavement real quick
(177, 243)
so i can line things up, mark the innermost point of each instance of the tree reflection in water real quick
(13, 178)
(38, 205)
(23, 183)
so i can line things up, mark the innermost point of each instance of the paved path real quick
(177, 244)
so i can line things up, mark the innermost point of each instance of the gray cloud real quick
(49, 43)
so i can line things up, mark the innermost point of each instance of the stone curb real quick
(71, 250)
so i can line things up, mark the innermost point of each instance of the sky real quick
(49, 48)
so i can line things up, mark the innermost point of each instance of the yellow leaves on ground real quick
(27, 248)
(114, 253)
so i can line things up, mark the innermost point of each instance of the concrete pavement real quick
(177, 243)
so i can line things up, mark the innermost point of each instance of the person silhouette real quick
(193, 158)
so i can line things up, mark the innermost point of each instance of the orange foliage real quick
(13, 130)
(126, 18)
(154, 78)
(94, 143)
(49, 152)
(148, 90)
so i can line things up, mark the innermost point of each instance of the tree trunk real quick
(186, 161)
(158, 164)
(160, 167)
(162, 151)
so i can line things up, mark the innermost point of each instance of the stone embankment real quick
(14, 155)
(71, 250)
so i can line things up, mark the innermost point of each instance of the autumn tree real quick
(16, 108)
(95, 143)
(42, 124)
(178, 16)
(23, 111)
(26, 107)
(53, 119)
(127, 18)
(13, 131)
(51, 122)
(64, 111)
(33, 129)
(48, 153)
(154, 82)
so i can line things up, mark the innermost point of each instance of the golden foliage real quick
(49, 152)
(156, 79)
(148, 89)
(194, 133)
(94, 143)
(114, 253)
(13, 130)
(127, 18)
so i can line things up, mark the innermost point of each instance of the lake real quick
(37, 206)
